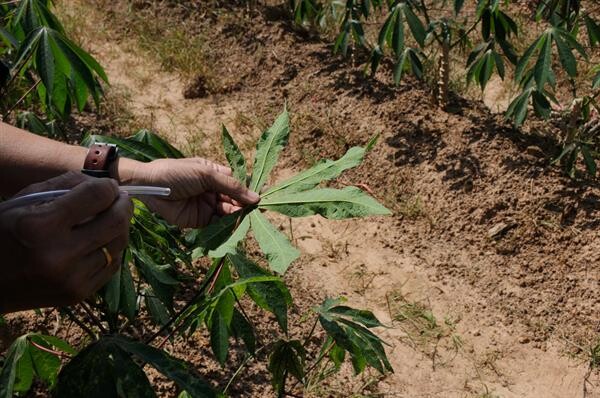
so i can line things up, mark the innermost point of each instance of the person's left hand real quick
(200, 189)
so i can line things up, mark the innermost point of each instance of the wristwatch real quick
(98, 160)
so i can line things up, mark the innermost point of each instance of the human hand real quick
(52, 252)
(200, 189)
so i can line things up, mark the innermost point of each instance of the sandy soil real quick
(513, 313)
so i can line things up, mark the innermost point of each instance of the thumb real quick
(224, 184)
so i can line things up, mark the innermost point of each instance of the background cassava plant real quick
(41, 68)
(427, 38)
(151, 274)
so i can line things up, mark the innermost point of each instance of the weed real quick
(422, 328)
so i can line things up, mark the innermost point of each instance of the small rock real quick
(523, 340)
(500, 229)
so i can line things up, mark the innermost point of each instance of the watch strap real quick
(98, 160)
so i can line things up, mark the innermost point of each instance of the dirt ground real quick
(487, 274)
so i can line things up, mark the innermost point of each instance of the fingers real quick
(96, 271)
(224, 208)
(231, 187)
(215, 166)
(105, 227)
(225, 198)
(85, 200)
(63, 181)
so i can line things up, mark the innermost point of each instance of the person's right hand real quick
(52, 252)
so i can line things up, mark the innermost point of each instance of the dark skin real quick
(54, 251)
(51, 251)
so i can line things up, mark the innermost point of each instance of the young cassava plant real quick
(112, 361)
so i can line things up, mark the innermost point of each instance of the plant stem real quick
(202, 291)
(93, 317)
(199, 295)
(79, 323)
(312, 330)
(48, 350)
(12, 108)
(245, 361)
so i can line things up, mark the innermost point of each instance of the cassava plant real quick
(40, 65)
(550, 83)
(151, 273)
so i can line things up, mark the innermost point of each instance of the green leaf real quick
(541, 105)
(330, 203)
(157, 310)
(566, 56)
(524, 61)
(103, 369)
(231, 244)
(161, 146)
(322, 171)
(517, 110)
(590, 162)
(112, 292)
(58, 344)
(244, 330)
(219, 337)
(401, 65)
(414, 23)
(499, 65)
(385, 33)
(128, 299)
(276, 246)
(25, 373)
(172, 368)
(46, 365)
(10, 370)
(458, 5)
(596, 81)
(398, 35)
(348, 327)
(216, 234)
(287, 358)
(543, 65)
(45, 62)
(362, 316)
(593, 30)
(268, 148)
(271, 296)
(234, 157)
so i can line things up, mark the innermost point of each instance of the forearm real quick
(26, 158)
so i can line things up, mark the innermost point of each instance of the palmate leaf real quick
(10, 375)
(24, 362)
(271, 296)
(287, 359)
(275, 245)
(330, 203)
(32, 14)
(322, 171)
(68, 74)
(408, 60)
(211, 237)
(161, 146)
(105, 368)
(517, 110)
(593, 30)
(268, 148)
(349, 328)
(234, 156)
(230, 245)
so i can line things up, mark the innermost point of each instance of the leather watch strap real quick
(98, 160)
